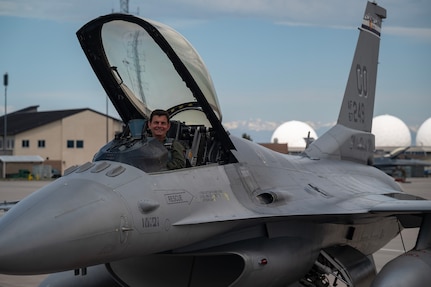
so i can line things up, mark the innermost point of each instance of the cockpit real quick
(136, 147)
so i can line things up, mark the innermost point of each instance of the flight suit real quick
(176, 156)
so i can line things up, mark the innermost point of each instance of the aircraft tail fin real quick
(351, 138)
(358, 104)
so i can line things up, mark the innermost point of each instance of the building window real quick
(79, 144)
(41, 143)
(70, 144)
(25, 143)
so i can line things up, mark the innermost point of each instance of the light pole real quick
(5, 83)
(107, 120)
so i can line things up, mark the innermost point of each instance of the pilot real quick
(159, 125)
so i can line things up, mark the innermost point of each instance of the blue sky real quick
(271, 60)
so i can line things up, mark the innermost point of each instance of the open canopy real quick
(148, 65)
(144, 65)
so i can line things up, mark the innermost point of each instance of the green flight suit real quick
(176, 154)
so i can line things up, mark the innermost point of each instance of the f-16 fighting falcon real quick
(238, 214)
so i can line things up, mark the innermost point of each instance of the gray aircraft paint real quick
(241, 214)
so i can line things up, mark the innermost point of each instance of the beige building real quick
(62, 138)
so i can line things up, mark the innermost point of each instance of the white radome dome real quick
(423, 136)
(390, 131)
(293, 133)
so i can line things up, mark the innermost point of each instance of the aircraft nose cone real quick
(65, 225)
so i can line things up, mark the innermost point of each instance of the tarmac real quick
(13, 190)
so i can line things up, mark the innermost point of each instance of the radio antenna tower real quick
(124, 6)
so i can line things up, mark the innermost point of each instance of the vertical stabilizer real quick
(358, 104)
(351, 138)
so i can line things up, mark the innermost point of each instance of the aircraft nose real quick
(65, 225)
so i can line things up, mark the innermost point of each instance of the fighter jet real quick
(239, 214)
(394, 165)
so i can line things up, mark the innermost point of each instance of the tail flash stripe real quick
(372, 24)
(371, 28)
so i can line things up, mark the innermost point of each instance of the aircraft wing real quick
(349, 209)
(403, 207)
(396, 152)
(378, 162)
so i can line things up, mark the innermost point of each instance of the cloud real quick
(254, 125)
(330, 13)
(416, 33)
(57, 10)
(277, 9)
(262, 125)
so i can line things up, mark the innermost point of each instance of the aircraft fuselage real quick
(105, 211)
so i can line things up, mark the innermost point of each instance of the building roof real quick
(278, 147)
(29, 118)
